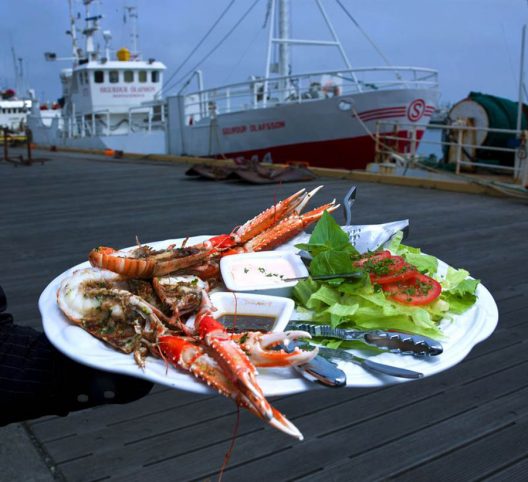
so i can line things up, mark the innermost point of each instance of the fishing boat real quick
(321, 118)
(109, 101)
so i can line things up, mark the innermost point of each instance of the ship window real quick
(155, 76)
(142, 76)
(129, 76)
(114, 76)
(98, 76)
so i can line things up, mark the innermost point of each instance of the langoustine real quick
(98, 301)
(269, 229)
(222, 360)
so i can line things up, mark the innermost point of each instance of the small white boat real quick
(13, 111)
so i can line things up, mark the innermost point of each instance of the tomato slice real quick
(372, 258)
(418, 290)
(385, 268)
(400, 271)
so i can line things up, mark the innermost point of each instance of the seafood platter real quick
(235, 313)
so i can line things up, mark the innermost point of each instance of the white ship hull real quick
(317, 132)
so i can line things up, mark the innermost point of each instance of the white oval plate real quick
(462, 334)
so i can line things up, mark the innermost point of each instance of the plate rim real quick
(275, 381)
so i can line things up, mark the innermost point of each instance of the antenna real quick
(92, 26)
(131, 13)
(107, 36)
(17, 65)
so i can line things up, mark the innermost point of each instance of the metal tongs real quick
(322, 277)
(392, 341)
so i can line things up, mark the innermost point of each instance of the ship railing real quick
(155, 120)
(397, 143)
(138, 118)
(258, 93)
(86, 125)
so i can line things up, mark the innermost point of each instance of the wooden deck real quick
(468, 423)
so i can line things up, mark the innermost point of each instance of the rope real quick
(167, 83)
(222, 40)
(242, 57)
(396, 155)
(372, 43)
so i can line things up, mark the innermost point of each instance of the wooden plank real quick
(512, 472)
(61, 210)
(367, 414)
(478, 459)
(443, 437)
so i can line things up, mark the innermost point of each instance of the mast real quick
(284, 35)
(92, 26)
(521, 83)
(17, 65)
(283, 41)
(73, 32)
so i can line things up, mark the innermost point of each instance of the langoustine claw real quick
(260, 348)
(267, 230)
(230, 357)
(275, 225)
(189, 355)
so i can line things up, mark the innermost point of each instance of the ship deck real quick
(467, 423)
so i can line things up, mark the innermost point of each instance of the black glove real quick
(36, 379)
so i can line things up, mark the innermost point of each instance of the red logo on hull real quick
(416, 110)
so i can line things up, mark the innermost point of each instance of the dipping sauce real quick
(244, 322)
(264, 272)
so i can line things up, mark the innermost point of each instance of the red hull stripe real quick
(390, 116)
(377, 111)
(384, 111)
(351, 153)
(385, 114)
(401, 110)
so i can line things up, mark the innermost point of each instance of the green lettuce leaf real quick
(331, 262)
(422, 262)
(356, 303)
(328, 235)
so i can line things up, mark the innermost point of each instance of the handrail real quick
(259, 93)
(429, 71)
(84, 125)
(519, 170)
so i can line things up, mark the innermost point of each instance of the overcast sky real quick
(474, 44)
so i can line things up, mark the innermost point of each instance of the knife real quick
(354, 274)
(336, 354)
(319, 369)
(395, 342)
